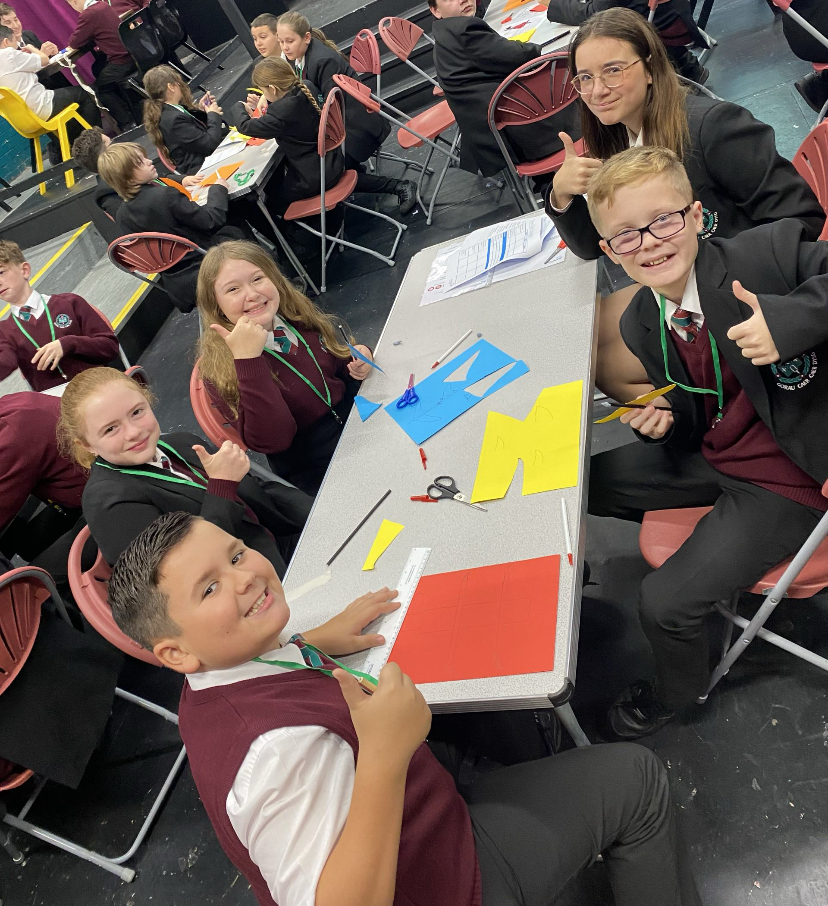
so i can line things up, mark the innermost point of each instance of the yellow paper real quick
(547, 441)
(645, 398)
(388, 531)
(524, 36)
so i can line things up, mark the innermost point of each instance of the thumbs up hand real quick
(753, 336)
(574, 175)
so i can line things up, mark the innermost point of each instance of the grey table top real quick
(261, 159)
(546, 318)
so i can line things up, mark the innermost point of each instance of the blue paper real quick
(365, 407)
(355, 352)
(442, 401)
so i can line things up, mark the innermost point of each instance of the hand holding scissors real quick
(409, 398)
(445, 487)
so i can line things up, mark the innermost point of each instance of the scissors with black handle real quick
(444, 487)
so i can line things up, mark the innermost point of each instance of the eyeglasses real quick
(663, 227)
(611, 76)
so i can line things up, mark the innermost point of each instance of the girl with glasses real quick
(630, 95)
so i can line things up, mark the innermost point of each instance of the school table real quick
(258, 163)
(547, 318)
(546, 34)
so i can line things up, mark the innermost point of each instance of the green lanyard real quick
(29, 337)
(161, 476)
(717, 368)
(292, 665)
(325, 399)
(185, 110)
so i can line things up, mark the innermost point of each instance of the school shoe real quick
(406, 192)
(813, 90)
(638, 712)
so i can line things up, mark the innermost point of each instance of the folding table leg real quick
(570, 722)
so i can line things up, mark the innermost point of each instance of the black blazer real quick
(736, 173)
(471, 60)
(106, 198)
(806, 47)
(790, 277)
(576, 12)
(190, 137)
(294, 123)
(365, 131)
(118, 507)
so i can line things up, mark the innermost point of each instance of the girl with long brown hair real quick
(274, 363)
(630, 95)
(184, 132)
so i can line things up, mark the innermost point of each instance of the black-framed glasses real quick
(612, 76)
(663, 227)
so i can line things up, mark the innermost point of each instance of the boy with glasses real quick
(744, 429)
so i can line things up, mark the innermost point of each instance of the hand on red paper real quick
(343, 634)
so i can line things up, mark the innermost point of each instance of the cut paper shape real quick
(496, 620)
(540, 8)
(224, 172)
(523, 37)
(388, 531)
(176, 185)
(442, 399)
(645, 398)
(514, 4)
(357, 354)
(547, 441)
(366, 407)
(252, 142)
(461, 373)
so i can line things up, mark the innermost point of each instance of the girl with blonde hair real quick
(136, 474)
(274, 363)
(184, 132)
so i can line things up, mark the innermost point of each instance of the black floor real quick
(748, 768)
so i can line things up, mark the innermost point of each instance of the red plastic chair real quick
(811, 162)
(331, 136)
(801, 576)
(533, 92)
(166, 161)
(785, 6)
(683, 32)
(401, 36)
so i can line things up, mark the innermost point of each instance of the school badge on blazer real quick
(710, 223)
(796, 373)
(62, 321)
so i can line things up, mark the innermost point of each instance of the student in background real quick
(22, 36)
(108, 428)
(471, 60)
(86, 149)
(184, 132)
(814, 86)
(98, 27)
(734, 167)
(49, 338)
(274, 363)
(320, 793)
(316, 60)
(740, 325)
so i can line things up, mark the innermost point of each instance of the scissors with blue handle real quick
(445, 487)
(409, 398)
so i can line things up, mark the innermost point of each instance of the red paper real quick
(490, 621)
(539, 8)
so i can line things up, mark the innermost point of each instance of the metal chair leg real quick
(16, 856)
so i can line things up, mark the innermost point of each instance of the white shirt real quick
(17, 71)
(689, 302)
(292, 793)
(36, 302)
(158, 462)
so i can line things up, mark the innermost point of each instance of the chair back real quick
(331, 124)
(811, 162)
(357, 91)
(533, 92)
(22, 592)
(365, 53)
(166, 161)
(167, 25)
(15, 111)
(400, 36)
(12, 775)
(138, 34)
(209, 416)
(150, 253)
(89, 592)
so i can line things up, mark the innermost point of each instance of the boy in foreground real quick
(744, 429)
(324, 794)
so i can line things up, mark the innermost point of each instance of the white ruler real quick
(391, 623)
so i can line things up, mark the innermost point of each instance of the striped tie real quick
(25, 312)
(684, 320)
(311, 658)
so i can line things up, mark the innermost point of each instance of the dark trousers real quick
(87, 108)
(114, 93)
(370, 183)
(538, 824)
(749, 531)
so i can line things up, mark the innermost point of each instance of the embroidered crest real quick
(797, 373)
(62, 321)
(710, 223)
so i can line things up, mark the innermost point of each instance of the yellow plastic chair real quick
(25, 121)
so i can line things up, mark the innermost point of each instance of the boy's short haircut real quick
(117, 167)
(88, 147)
(6, 10)
(6, 34)
(633, 166)
(432, 4)
(138, 604)
(11, 253)
(265, 20)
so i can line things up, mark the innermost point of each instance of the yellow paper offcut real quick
(388, 531)
(645, 398)
(547, 441)
(524, 36)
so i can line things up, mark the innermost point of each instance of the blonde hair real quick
(631, 167)
(274, 72)
(299, 24)
(117, 165)
(71, 428)
(665, 115)
(155, 85)
(215, 359)
(11, 253)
